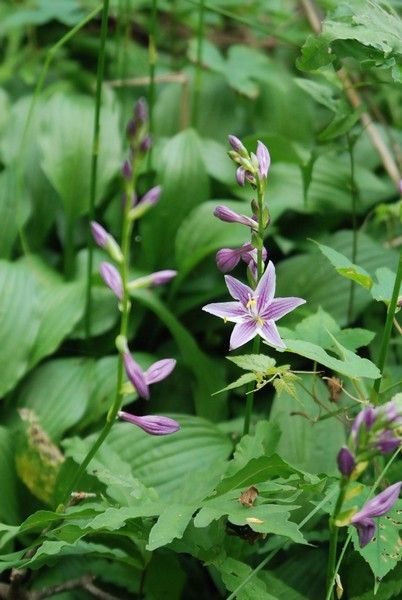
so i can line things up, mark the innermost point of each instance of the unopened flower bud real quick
(112, 278)
(230, 216)
(264, 160)
(152, 424)
(141, 111)
(131, 129)
(146, 143)
(237, 145)
(99, 234)
(127, 170)
(346, 461)
(240, 176)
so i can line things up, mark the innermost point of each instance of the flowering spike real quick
(346, 461)
(376, 507)
(264, 160)
(152, 424)
(112, 278)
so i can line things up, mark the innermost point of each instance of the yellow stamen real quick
(251, 302)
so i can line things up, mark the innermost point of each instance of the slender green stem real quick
(260, 269)
(198, 71)
(387, 329)
(333, 533)
(353, 193)
(94, 163)
(347, 541)
(152, 57)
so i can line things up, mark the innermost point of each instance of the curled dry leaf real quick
(248, 497)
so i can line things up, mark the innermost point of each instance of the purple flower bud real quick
(376, 507)
(162, 277)
(152, 196)
(264, 160)
(387, 442)
(111, 277)
(365, 418)
(241, 176)
(230, 216)
(146, 143)
(131, 129)
(136, 375)
(227, 258)
(236, 144)
(127, 170)
(392, 413)
(346, 461)
(152, 424)
(141, 111)
(99, 234)
(159, 370)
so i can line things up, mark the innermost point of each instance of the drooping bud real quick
(152, 424)
(111, 277)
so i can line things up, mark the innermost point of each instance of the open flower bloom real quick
(140, 379)
(376, 507)
(255, 311)
(152, 424)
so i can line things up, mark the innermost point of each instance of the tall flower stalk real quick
(255, 310)
(116, 277)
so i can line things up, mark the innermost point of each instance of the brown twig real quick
(355, 100)
(15, 592)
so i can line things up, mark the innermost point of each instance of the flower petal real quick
(238, 290)
(280, 307)
(230, 311)
(112, 278)
(270, 334)
(380, 504)
(228, 258)
(265, 289)
(242, 333)
(136, 375)
(366, 530)
(159, 370)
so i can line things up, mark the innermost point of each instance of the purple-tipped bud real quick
(230, 216)
(146, 143)
(159, 370)
(152, 424)
(241, 176)
(387, 442)
(237, 145)
(152, 196)
(264, 160)
(136, 375)
(99, 234)
(227, 258)
(376, 507)
(141, 111)
(162, 277)
(346, 461)
(111, 277)
(131, 129)
(127, 170)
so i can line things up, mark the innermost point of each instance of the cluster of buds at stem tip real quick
(137, 128)
(252, 167)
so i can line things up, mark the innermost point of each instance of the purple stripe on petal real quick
(227, 259)
(270, 334)
(238, 290)
(231, 311)
(265, 290)
(280, 307)
(159, 370)
(242, 333)
(136, 375)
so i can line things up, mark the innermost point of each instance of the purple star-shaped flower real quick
(255, 311)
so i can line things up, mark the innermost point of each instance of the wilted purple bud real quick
(346, 461)
(127, 170)
(264, 160)
(387, 442)
(162, 277)
(111, 277)
(230, 216)
(152, 424)
(146, 143)
(99, 234)
(366, 417)
(241, 176)
(152, 196)
(136, 375)
(237, 145)
(141, 110)
(376, 507)
(227, 258)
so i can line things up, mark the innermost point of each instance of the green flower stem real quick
(333, 535)
(387, 330)
(198, 72)
(125, 306)
(94, 164)
(260, 270)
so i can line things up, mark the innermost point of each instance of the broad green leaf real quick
(384, 286)
(342, 123)
(13, 215)
(9, 501)
(66, 145)
(208, 376)
(346, 268)
(185, 185)
(235, 572)
(170, 525)
(68, 12)
(348, 364)
(163, 462)
(259, 363)
(309, 445)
